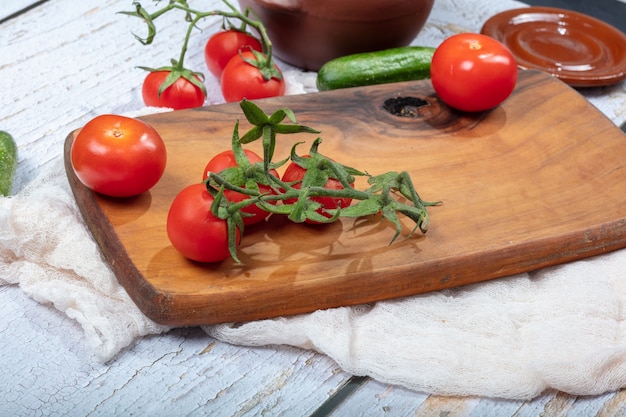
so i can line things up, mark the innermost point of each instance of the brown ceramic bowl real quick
(309, 33)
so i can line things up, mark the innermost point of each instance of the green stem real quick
(266, 43)
(183, 50)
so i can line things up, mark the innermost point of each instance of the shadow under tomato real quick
(122, 210)
(281, 250)
(294, 238)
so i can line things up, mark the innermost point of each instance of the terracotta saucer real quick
(578, 49)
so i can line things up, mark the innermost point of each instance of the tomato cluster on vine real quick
(201, 236)
(239, 188)
(241, 61)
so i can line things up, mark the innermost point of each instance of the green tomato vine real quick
(390, 193)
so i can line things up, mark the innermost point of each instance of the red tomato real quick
(118, 156)
(242, 80)
(192, 228)
(223, 46)
(225, 160)
(295, 172)
(183, 94)
(473, 72)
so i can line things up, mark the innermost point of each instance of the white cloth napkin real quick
(47, 250)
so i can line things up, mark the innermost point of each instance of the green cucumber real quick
(380, 67)
(8, 162)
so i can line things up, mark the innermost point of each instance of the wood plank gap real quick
(22, 11)
(328, 406)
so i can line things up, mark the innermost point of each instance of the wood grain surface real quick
(537, 181)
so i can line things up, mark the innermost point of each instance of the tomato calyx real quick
(224, 209)
(264, 63)
(176, 71)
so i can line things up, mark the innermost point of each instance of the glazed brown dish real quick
(308, 33)
(578, 49)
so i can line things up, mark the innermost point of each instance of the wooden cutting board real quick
(538, 181)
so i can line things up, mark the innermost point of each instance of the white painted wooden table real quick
(63, 62)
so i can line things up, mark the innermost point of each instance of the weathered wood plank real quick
(47, 367)
(12, 8)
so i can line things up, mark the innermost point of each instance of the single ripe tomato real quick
(225, 160)
(295, 172)
(473, 72)
(118, 156)
(193, 230)
(183, 94)
(224, 45)
(241, 79)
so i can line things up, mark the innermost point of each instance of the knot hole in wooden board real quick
(404, 106)
(434, 114)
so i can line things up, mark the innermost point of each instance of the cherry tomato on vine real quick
(473, 72)
(118, 156)
(225, 160)
(295, 172)
(241, 79)
(183, 94)
(193, 230)
(224, 45)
